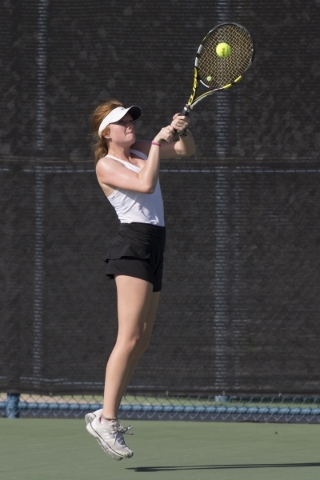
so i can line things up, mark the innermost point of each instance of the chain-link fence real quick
(274, 409)
(239, 306)
(237, 332)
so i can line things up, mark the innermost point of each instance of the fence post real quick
(12, 405)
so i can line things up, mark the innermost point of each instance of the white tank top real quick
(138, 207)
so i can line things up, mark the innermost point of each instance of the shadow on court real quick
(174, 468)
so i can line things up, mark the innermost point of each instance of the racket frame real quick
(196, 78)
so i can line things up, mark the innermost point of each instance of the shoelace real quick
(124, 430)
(118, 431)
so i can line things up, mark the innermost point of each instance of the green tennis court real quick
(50, 449)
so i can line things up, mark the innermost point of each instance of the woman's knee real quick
(136, 343)
(131, 343)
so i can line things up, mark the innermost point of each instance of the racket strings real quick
(216, 72)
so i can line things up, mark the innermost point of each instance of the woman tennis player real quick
(128, 172)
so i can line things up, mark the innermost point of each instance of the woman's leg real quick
(145, 339)
(136, 301)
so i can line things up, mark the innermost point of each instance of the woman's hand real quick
(166, 134)
(180, 122)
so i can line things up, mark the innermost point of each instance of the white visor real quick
(118, 113)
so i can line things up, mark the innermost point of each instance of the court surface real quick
(45, 449)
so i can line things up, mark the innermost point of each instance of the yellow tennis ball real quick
(209, 78)
(223, 50)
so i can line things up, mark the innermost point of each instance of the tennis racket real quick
(235, 46)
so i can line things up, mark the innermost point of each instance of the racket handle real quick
(186, 110)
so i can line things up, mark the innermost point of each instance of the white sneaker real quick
(110, 438)
(92, 415)
(89, 417)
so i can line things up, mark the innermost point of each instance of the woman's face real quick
(122, 131)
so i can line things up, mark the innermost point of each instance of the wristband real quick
(155, 143)
(184, 133)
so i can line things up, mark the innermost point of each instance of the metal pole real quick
(40, 190)
(222, 234)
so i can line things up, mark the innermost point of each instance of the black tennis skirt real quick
(137, 251)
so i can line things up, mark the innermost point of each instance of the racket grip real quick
(186, 110)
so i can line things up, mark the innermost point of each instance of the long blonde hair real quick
(100, 148)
